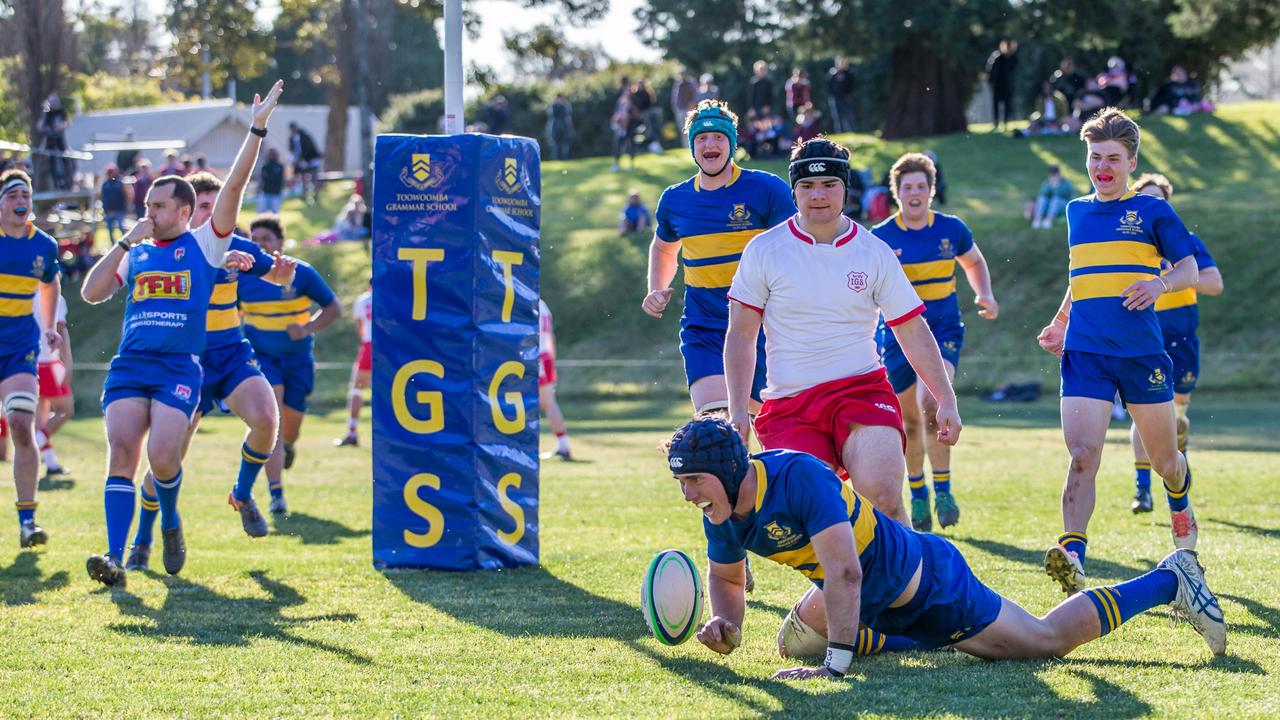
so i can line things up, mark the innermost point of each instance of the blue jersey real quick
(223, 320)
(928, 257)
(713, 226)
(797, 497)
(1113, 245)
(169, 284)
(1179, 312)
(270, 309)
(25, 262)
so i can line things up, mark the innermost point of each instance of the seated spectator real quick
(1088, 102)
(1055, 193)
(1068, 81)
(1114, 84)
(350, 222)
(1180, 96)
(1050, 116)
(808, 123)
(635, 216)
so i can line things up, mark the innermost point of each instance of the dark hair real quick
(182, 190)
(270, 222)
(204, 182)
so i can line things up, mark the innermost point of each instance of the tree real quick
(544, 51)
(215, 37)
(115, 40)
(38, 33)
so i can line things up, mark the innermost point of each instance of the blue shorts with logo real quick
(18, 363)
(951, 603)
(901, 375)
(1142, 380)
(225, 368)
(703, 352)
(173, 379)
(297, 373)
(1184, 351)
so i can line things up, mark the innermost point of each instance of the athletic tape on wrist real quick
(839, 658)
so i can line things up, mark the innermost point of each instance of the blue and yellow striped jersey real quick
(713, 226)
(1113, 245)
(25, 262)
(223, 320)
(1179, 312)
(797, 497)
(270, 309)
(928, 257)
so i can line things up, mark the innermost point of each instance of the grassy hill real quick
(1223, 167)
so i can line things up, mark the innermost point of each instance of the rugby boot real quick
(255, 525)
(106, 570)
(174, 554)
(1064, 566)
(948, 510)
(30, 534)
(278, 505)
(1194, 602)
(1141, 502)
(921, 515)
(348, 441)
(290, 454)
(139, 557)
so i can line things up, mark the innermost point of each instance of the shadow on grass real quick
(312, 530)
(50, 483)
(1265, 613)
(202, 616)
(22, 581)
(1269, 533)
(1035, 557)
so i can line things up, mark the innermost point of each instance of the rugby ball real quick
(671, 597)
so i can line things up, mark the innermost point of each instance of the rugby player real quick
(547, 383)
(362, 312)
(56, 402)
(1108, 336)
(929, 244)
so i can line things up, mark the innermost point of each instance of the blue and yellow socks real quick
(251, 463)
(1142, 475)
(919, 490)
(1117, 604)
(1178, 501)
(26, 511)
(117, 501)
(148, 509)
(1074, 542)
(276, 487)
(873, 642)
(941, 481)
(167, 495)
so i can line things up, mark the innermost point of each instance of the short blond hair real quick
(907, 164)
(1160, 181)
(708, 104)
(1112, 123)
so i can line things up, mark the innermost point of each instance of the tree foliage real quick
(544, 51)
(218, 37)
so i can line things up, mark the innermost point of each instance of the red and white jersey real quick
(546, 337)
(362, 311)
(46, 354)
(821, 302)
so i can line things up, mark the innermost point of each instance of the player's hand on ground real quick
(263, 107)
(1053, 337)
(803, 673)
(237, 260)
(140, 231)
(949, 425)
(297, 332)
(720, 635)
(990, 308)
(1143, 294)
(656, 301)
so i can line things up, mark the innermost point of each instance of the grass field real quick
(299, 624)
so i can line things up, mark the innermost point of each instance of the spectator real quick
(126, 159)
(840, 96)
(1114, 83)
(141, 184)
(202, 163)
(114, 202)
(808, 123)
(684, 95)
(1050, 116)
(306, 161)
(1068, 81)
(171, 164)
(497, 115)
(188, 166)
(646, 106)
(1002, 67)
(1180, 96)
(707, 88)
(853, 194)
(271, 184)
(1088, 102)
(623, 122)
(1055, 193)
(349, 224)
(761, 88)
(560, 127)
(53, 126)
(6, 161)
(798, 91)
(635, 216)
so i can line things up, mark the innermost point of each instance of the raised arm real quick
(226, 208)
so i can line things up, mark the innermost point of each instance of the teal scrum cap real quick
(714, 119)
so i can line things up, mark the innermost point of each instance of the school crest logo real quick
(1130, 223)
(421, 174)
(857, 281)
(945, 250)
(1188, 378)
(740, 217)
(781, 535)
(182, 392)
(509, 179)
(37, 266)
(1157, 378)
(288, 292)
(179, 253)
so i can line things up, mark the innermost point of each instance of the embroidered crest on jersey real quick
(162, 285)
(179, 253)
(288, 292)
(740, 216)
(37, 266)
(857, 281)
(1130, 224)
(509, 178)
(945, 250)
(782, 535)
(1156, 378)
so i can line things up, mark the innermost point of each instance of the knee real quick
(1166, 467)
(1084, 455)
(22, 429)
(911, 422)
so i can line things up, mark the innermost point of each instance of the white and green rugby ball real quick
(671, 597)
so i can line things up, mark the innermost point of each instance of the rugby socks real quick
(1142, 475)
(562, 442)
(1178, 501)
(353, 425)
(251, 463)
(919, 489)
(167, 495)
(26, 511)
(1074, 542)
(872, 642)
(149, 508)
(941, 481)
(117, 500)
(1117, 604)
(276, 487)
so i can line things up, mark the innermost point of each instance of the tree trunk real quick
(929, 94)
(335, 140)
